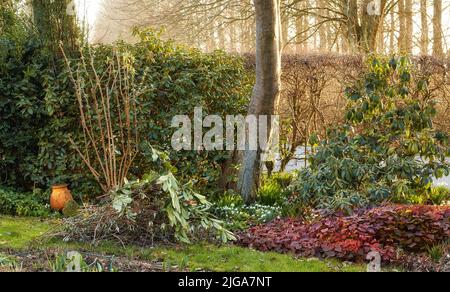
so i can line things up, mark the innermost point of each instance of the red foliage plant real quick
(385, 229)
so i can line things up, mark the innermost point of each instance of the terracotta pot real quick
(59, 197)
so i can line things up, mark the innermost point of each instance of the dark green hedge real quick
(38, 109)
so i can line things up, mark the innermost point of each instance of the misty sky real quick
(88, 10)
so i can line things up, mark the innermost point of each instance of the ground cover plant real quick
(241, 217)
(15, 203)
(390, 230)
(269, 205)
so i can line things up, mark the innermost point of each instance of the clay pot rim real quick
(59, 186)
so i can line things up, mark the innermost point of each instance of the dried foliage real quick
(144, 221)
(156, 208)
(312, 97)
(436, 71)
(96, 224)
(429, 262)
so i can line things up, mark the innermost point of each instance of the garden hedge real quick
(38, 110)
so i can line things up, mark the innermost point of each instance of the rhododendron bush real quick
(374, 156)
(387, 230)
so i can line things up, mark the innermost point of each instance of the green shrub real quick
(229, 198)
(439, 195)
(24, 204)
(373, 157)
(218, 82)
(271, 194)
(284, 179)
(38, 110)
(274, 189)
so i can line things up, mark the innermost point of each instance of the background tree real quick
(331, 26)
(424, 40)
(409, 26)
(392, 31)
(402, 26)
(438, 50)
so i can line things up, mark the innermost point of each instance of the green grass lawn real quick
(236, 259)
(20, 233)
(17, 233)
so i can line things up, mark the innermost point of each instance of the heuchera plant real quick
(384, 229)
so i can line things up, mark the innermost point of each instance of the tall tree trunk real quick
(392, 33)
(299, 29)
(331, 34)
(409, 26)
(351, 12)
(221, 37)
(267, 87)
(424, 41)
(306, 4)
(247, 35)
(233, 38)
(285, 29)
(211, 42)
(322, 26)
(370, 25)
(380, 39)
(363, 27)
(402, 26)
(252, 34)
(438, 50)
